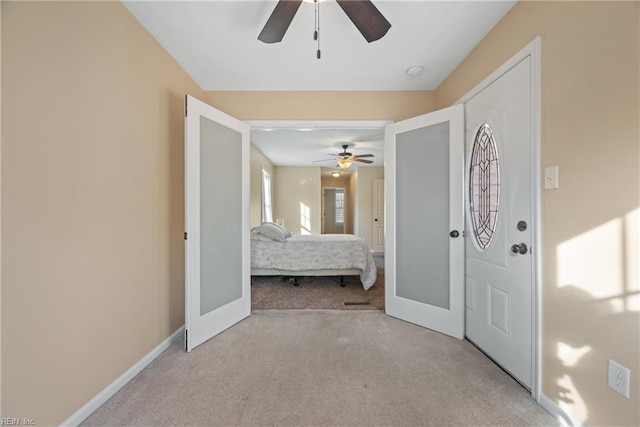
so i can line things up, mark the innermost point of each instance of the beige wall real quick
(364, 201)
(590, 116)
(341, 105)
(258, 163)
(296, 187)
(92, 202)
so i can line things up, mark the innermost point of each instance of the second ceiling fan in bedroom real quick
(345, 159)
(364, 15)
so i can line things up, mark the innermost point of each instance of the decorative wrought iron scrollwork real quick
(484, 186)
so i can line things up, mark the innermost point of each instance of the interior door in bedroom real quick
(217, 271)
(333, 210)
(424, 248)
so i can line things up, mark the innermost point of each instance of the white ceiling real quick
(311, 143)
(216, 43)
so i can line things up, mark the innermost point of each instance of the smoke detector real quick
(415, 70)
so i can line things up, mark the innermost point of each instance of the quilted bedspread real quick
(316, 252)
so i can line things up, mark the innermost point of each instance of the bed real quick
(276, 252)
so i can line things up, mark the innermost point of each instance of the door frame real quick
(533, 50)
(323, 207)
(376, 224)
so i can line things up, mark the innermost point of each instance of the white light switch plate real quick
(551, 178)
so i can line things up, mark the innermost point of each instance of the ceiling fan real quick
(345, 159)
(364, 15)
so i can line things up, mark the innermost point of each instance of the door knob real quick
(454, 234)
(519, 248)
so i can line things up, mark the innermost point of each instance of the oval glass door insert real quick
(484, 187)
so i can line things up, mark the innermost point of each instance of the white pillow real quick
(272, 231)
(280, 227)
(257, 237)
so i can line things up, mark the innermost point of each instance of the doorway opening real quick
(336, 200)
(334, 210)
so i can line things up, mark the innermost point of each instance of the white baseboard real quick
(557, 412)
(90, 407)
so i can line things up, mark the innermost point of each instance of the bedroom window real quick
(339, 206)
(305, 219)
(484, 187)
(267, 211)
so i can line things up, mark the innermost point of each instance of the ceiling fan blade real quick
(279, 21)
(324, 160)
(363, 161)
(359, 156)
(366, 17)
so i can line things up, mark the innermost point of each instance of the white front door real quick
(378, 215)
(217, 282)
(499, 262)
(424, 259)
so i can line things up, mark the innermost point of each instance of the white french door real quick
(424, 246)
(217, 282)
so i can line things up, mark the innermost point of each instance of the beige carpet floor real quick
(272, 293)
(323, 368)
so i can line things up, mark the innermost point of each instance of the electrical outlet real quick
(618, 378)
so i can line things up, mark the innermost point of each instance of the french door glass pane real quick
(422, 215)
(220, 215)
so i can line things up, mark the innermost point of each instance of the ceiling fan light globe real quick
(344, 163)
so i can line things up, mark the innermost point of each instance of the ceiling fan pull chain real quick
(315, 20)
(317, 32)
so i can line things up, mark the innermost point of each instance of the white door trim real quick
(532, 50)
(317, 124)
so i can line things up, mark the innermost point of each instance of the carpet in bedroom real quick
(272, 293)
